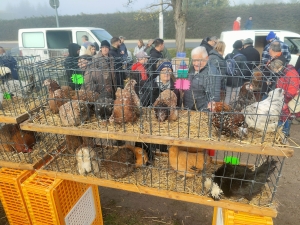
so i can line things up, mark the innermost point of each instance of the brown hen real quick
(226, 121)
(186, 163)
(246, 97)
(13, 139)
(126, 105)
(165, 106)
(57, 95)
(73, 113)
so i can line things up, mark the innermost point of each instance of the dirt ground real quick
(126, 208)
(120, 207)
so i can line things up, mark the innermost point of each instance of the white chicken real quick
(264, 115)
(86, 160)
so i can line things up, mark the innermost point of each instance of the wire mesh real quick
(26, 147)
(18, 83)
(96, 93)
(243, 177)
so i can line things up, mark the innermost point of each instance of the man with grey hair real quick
(205, 81)
(270, 77)
(252, 55)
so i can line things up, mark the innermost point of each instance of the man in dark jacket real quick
(205, 82)
(123, 48)
(252, 55)
(155, 55)
(209, 43)
(10, 62)
(71, 65)
(237, 79)
(118, 61)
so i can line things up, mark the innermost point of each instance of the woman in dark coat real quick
(151, 91)
(71, 65)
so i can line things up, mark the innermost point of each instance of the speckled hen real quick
(73, 113)
(165, 106)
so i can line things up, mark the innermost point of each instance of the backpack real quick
(230, 65)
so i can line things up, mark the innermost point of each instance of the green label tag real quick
(6, 96)
(182, 73)
(77, 79)
(232, 160)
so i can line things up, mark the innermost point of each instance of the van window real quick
(293, 43)
(102, 35)
(79, 34)
(58, 39)
(33, 40)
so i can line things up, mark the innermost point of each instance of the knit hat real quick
(164, 65)
(248, 41)
(142, 54)
(105, 43)
(237, 44)
(271, 35)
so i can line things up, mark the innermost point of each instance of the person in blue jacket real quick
(249, 23)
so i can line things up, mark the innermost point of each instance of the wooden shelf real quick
(262, 211)
(208, 144)
(17, 119)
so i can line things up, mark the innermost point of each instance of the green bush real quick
(200, 22)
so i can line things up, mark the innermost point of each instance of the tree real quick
(180, 8)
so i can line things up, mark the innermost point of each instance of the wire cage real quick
(242, 177)
(26, 149)
(100, 94)
(17, 85)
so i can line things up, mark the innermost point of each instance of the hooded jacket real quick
(217, 60)
(208, 47)
(205, 87)
(71, 64)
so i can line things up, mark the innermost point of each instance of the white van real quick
(52, 42)
(259, 38)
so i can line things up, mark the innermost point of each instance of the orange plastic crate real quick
(12, 197)
(230, 217)
(51, 200)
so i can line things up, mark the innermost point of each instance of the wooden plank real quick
(17, 119)
(207, 144)
(262, 211)
(15, 165)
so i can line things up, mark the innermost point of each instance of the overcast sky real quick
(71, 7)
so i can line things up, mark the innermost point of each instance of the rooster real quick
(240, 181)
(165, 106)
(226, 121)
(246, 97)
(187, 163)
(126, 105)
(264, 115)
(13, 139)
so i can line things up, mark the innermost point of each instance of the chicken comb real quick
(77, 79)
(182, 84)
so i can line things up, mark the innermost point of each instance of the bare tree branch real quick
(164, 3)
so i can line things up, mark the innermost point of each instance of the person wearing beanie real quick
(252, 55)
(237, 24)
(236, 80)
(153, 87)
(271, 37)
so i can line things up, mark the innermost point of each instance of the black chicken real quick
(104, 106)
(240, 181)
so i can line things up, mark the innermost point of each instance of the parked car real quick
(52, 42)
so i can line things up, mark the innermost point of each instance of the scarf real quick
(162, 86)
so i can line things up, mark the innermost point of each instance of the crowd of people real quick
(209, 75)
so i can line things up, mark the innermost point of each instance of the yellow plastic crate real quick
(12, 197)
(229, 217)
(55, 201)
